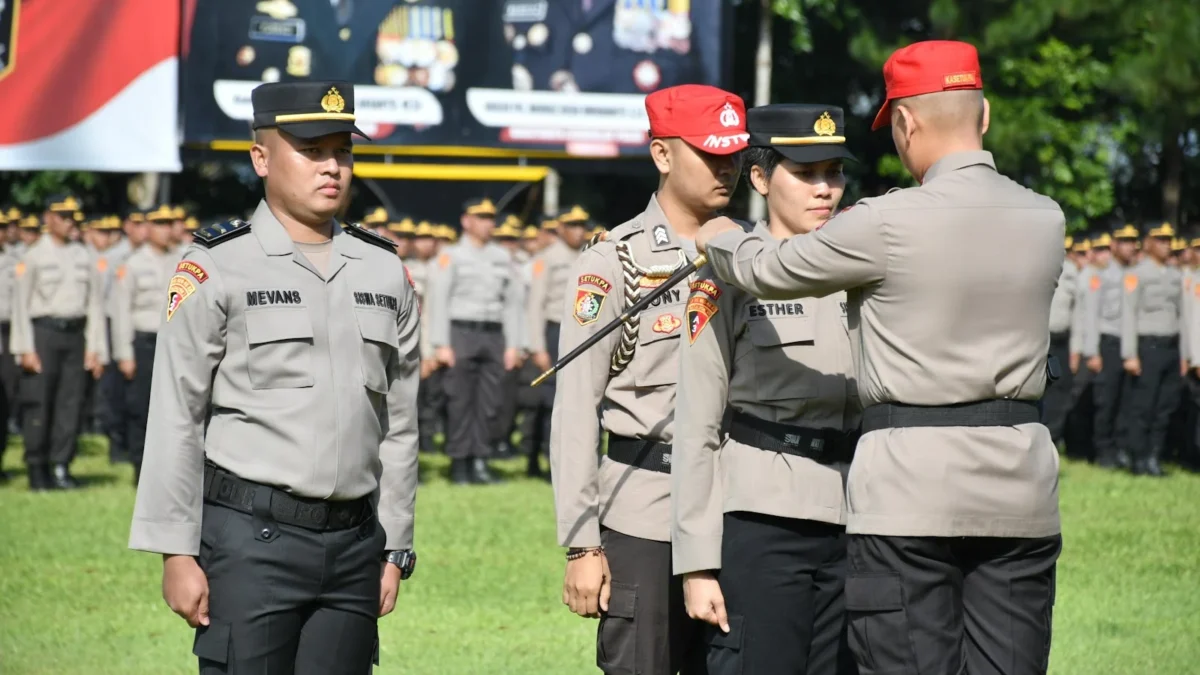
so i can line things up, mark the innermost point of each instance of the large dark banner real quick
(558, 75)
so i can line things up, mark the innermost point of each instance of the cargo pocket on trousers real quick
(725, 649)
(212, 643)
(616, 638)
(878, 625)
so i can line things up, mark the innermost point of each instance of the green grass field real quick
(486, 596)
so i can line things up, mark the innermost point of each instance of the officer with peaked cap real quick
(1063, 343)
(1078, 432)
(1110, 389)
(513, 400)
(431, 400)
(1150, 313)
(9, 372)
(476, 332)
(758, 514)
(953, 493)
(58, 335)
(281, 448)
(614, 515)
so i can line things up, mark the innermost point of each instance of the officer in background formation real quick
(765, 421)
(1102, 349)
(1150, 317)
(138, 308)
(109, 250)
(476, 335)
(514, 399)
(8, 367)
(550, 282)
(614, 515)
(281, 446)
(609, 46)
(953, 493)
(1065, 310)
(1077, 434)
(58, 334)
(431, 400)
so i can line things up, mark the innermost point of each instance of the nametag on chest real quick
(268, 297)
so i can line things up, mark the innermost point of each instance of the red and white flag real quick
(89, 85)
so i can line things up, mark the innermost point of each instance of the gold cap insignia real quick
(333, 101)
(825, 126)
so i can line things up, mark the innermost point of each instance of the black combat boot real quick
(460, 471)
(63, 480)
(481, 474)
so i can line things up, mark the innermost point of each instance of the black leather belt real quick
(226, 489)
(1060, 338)
(143, 336)
(1158, 340)
(827, 446)
(485, 326)
(58, 323)
(640, 452)
(994, 413)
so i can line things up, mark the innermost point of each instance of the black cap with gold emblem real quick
(305, 109)
(801, 132)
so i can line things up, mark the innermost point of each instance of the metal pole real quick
(762, 91)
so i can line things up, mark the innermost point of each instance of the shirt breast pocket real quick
(280, 348)
(782, 346)
(656, 361)
(379, 346)
(48, 279)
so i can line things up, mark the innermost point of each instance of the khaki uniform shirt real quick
(780, 361)
(60, 281)
(418, 272)
(109, 261)
(547, 293)
(284, 377)
(1187, 276)
(590, 490)
(1087, 305)
(1150, 303)
(1063, 304)
(950, 286)
(475, 283)
(138, 298)
(1106, 319)
(8, 264)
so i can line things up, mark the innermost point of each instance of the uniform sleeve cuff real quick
(576, 534)
(167, 538)
(695, 554)
(399, 533)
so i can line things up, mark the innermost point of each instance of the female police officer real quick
(780, 372)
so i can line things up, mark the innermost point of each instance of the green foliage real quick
(28, 190)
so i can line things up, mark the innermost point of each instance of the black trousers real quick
(505, 421)
(1108, 390)
(783, 580)
(294, 601)
(536, 429)
(473, 390)
(111, 407)
(431, 408)
(1154, 396)
(10, 372)
(646, 630)
(1080, 424)
(1056, 402)
(951, 605)
(137, 396)
(52, 401)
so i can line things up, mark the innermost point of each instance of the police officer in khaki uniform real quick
(8, 367)
(547, 298)
(58, 336)
(758, 515)
(476, 335)
(515, 400)
(137, 312)
(281, 449)
(614, 515)
(1150, 348)
(953, 493)
(1110, 389)
(1063, 343)
(431, 400)
(1078, 432)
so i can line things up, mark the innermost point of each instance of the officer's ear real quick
(905, 121)
(660, 152)
(260, 152)
(759, 180)
(987, 117)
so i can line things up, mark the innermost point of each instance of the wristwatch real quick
(406, 560)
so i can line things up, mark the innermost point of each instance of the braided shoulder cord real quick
(633, 274)
(596, 239)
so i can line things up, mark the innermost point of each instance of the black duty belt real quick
(484, 326)
(57, 323)
(226, 489)
(994, 413)
(640, 452)
(827, 446)
(144, 336)
(1060, 338)
(1158, 340)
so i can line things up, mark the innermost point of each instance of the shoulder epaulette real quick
(220, 233)
(746, 225)
(368, 236)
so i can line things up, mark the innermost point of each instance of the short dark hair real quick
(763, 157)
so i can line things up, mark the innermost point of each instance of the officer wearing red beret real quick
(952, 495)
(614, 513)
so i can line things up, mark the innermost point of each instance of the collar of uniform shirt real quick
(959, 160)
(654, 217)
(275, 240)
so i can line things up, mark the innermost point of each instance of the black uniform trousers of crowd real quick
(52, 400)
(1153, 399)
(286, 599)
(1109, 388)
(112, 407)
(10, 373)
(137, 398)
(474, 387)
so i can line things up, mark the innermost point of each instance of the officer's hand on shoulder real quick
(714, 228)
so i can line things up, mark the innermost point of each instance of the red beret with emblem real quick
(706, 118)
(925, 68)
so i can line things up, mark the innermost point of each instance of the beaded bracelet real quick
(577, 553)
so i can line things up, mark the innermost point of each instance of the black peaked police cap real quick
(800, 132)
(305, 109)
